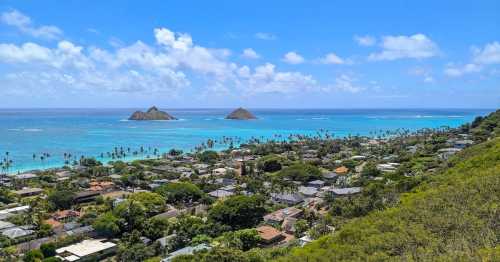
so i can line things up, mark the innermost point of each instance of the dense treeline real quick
(453, 215)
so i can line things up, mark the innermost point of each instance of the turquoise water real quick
(90, 132)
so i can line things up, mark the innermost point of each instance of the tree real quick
(153, 202)
(61, 199)
(183, 192)
(34, 255)
(370, 170)
(300, 172)
(270, 163)
(239, 211)
(156, 227)
(48, 249)
(90, 162)
(300, 227)
(208, 156)
(132, 212)
(244, 239)
(107, 225)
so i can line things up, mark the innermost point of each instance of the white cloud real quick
(345, 83)
(250, 54)
(457, 71)
(490, 54)
(425, 73)
(365, 40)
(138, 67)
(265, 79)
(331, 58)
(265, 36)
(25, 25)
(26, 53)
(417, 46)
(293, 58)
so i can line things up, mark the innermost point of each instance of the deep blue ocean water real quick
(90, 132)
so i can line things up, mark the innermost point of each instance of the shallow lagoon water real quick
(90, 132)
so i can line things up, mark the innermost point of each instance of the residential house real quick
(186, 251)
(28, 191)
(287, 198)
(307, 191)
(342, 170)
(89, 249)
(277, 217)
(269, 235)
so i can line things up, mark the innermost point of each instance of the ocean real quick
(26, 134)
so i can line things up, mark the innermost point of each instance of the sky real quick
(257, 54)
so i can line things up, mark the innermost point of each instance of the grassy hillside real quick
(453, 216)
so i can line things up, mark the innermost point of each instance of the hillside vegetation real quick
(452, 216)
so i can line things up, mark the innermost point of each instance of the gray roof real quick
(5, 225)
(330, 175)
(308, 191)
(346, 191)
(186, 251)
(289, 197)
(16, 232)
(220, 193)
(317, 182)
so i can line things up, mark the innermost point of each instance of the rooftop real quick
(86, 247)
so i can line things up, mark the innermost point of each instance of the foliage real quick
(208, 156)
(451, 216)
(90, 162)
(156, 227)
(270, 163)
(33, 255)
(244, 239)
(132, 213)
(107, 225)
(153, 202)
(61, 199)
(238, 211)
(183, 192)
(300, 172)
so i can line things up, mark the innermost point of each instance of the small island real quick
(241, 114)
(152, 114)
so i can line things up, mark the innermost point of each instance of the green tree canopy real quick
(239, 211)
(61, 199)
(183, 192)
(107, 225)
(300, 172)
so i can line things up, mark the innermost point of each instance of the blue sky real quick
(294, 54)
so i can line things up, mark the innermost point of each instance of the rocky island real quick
(241, 114)
(152, 114)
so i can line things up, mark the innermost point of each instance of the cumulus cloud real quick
(417, 46)
(265, 79)
(165, 66)
(345, 83)
(365, 40)
(457, 71)
(489, 54)
(265, 36)
(293, 58)
(24, 24)
(331, 58)
(425, 73)
(250, 54)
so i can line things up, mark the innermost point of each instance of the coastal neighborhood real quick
(255, 198)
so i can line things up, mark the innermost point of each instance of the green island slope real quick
(453, 216)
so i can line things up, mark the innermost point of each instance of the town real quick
(258, 199)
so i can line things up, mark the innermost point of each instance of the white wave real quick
(32, 130)
(320, 118)
(26, 129)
